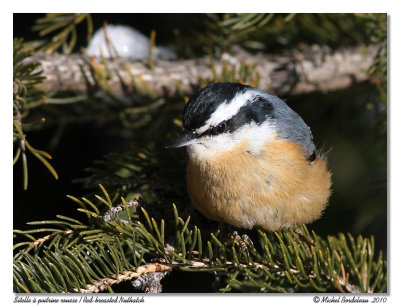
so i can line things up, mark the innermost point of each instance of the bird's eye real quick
(220, 128)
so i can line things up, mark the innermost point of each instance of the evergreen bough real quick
(119, 245)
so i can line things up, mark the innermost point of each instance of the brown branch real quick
(48, 237)
(193, 265)
(102, 284)
(311, 70)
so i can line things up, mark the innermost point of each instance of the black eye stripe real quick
(216, 130)
(252, 112)
(220, 128)
(204, 103)
(256, 111)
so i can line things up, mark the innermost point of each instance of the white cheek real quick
(209, 146)
(260, 135)
(257, 137)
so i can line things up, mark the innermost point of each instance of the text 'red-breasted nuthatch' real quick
(252, 161)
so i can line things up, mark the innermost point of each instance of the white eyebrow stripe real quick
(227, 110)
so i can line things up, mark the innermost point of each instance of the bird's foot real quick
(244, 242)
(306, 241)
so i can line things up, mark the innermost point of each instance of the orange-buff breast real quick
(275, 189)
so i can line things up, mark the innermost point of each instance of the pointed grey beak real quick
(184, 140)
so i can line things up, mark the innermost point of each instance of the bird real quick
(252, 162)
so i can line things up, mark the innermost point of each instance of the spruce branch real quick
(65, 24)
(253, 21)
(26, 95)
(92, 256)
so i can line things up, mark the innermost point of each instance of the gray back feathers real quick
(289, 125)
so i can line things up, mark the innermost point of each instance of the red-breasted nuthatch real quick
(252, 161)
